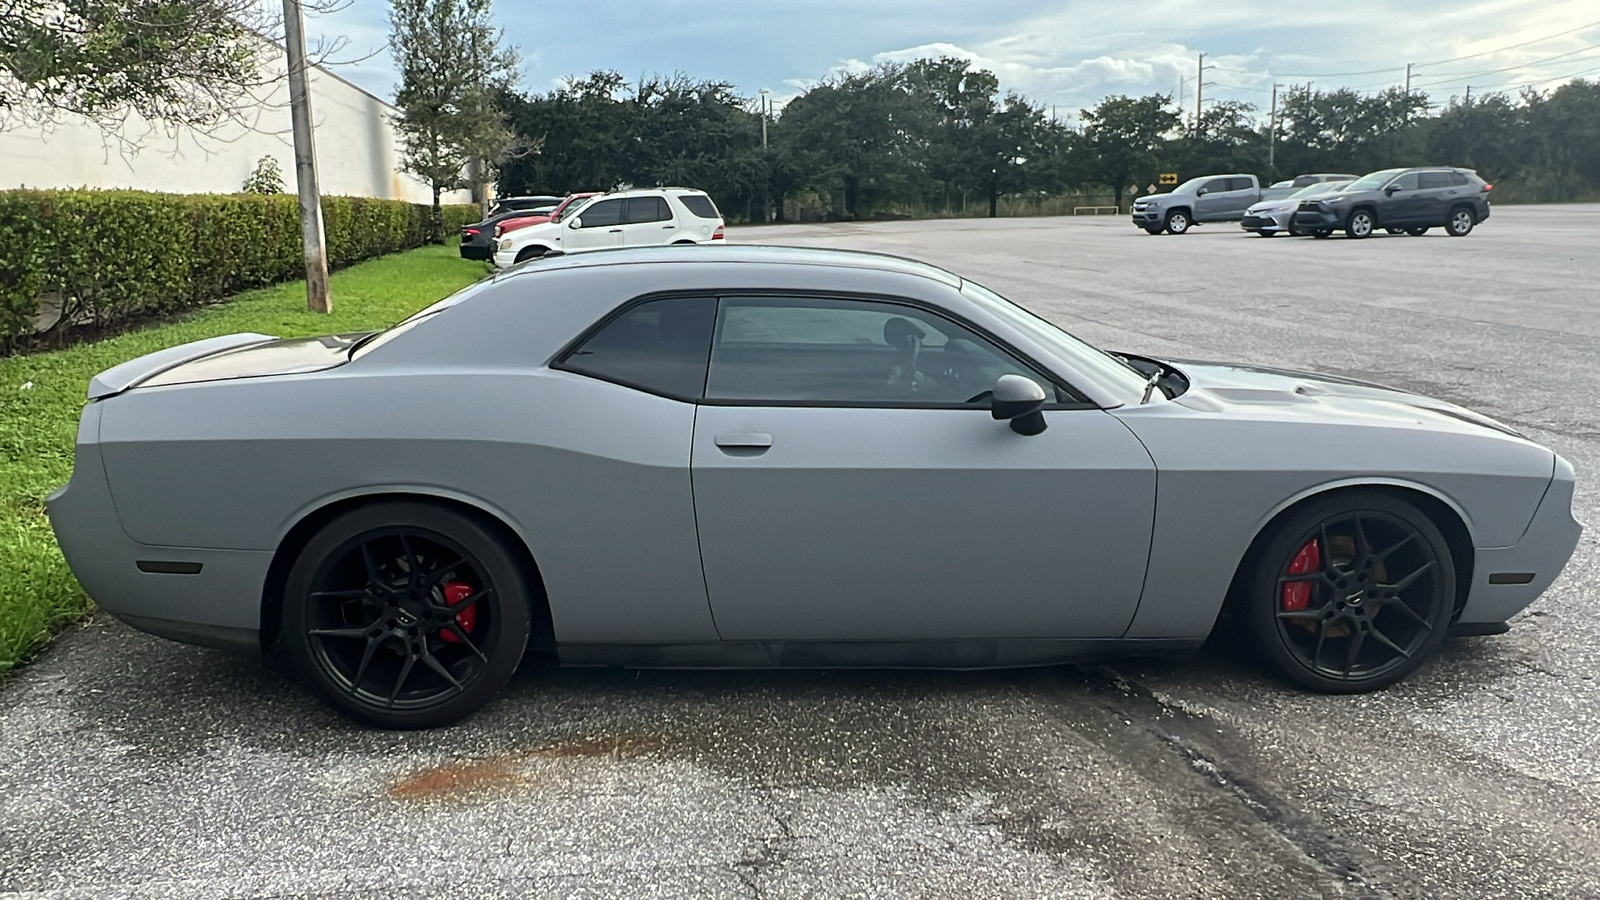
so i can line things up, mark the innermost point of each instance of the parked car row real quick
(1406, 200)
(594, 221)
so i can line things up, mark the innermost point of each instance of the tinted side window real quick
(647, 209)
(1428, 180)
(659, 346)
(850, 351)
(1406, 182)
(1214, 185)
(1459, 180)
(604, 212)
(700, 205)
(1239, 184)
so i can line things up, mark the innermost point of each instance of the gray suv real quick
(1209, 198)
(1399, 200)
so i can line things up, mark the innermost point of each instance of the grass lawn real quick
(41, 396)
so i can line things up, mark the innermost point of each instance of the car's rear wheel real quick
(406, 614)
(1360, 224)
(1352, 593)
(1460, 222)
(1395, 230)
(1177, 222)
(1416, 232)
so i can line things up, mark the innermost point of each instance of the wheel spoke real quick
(1380, 557)
(1350, 654)
(455, 608)
(1397, 603)
(413, 565)
(374, 574)
(459, 632)
(439, 571)
(433, 663)
(400, 680)
(1383, 639)
(1326, 548)
(373, 643)
(1301, 614)
(1322, 636)
(1407, 581)
(1363, 546)
(351, 593)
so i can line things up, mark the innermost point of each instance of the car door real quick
(596, 226)
(1403, 203)
(1436, 191)
(647, 221)
(850, 483)
(1241, 194)
(1211, 201)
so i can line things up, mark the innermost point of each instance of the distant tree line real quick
(938, 136)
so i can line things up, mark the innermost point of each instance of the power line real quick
(1512, 47)
(1459, 78)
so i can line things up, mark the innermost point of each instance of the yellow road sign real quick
(1168, 178)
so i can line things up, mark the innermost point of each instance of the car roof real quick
(761, 254)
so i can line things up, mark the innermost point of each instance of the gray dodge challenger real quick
(762, 456)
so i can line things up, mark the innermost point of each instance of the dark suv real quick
(1408, 200)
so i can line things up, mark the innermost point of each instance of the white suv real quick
(623, 219)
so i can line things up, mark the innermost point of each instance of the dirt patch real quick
(459, 780)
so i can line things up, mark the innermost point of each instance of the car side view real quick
(1209, 198)
(1408, 200)
(757, 456)
(638, 218)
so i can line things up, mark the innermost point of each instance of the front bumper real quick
(1505, 580)
(1148, 218)
(1271, 223)
(1306, 221)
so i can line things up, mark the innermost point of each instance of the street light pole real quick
(766, 182)
(305, 162)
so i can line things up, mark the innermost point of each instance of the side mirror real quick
(1022, 401)
(1201, 193)
(576, 223)
(1390, 190)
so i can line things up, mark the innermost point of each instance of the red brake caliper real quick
(1297, 594)
(455, 592)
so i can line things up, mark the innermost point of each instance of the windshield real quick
(1192, 185)
(572, 208)
(1327, 187)
(1096, 362)
(1374, 181)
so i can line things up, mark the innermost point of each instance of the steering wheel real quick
(906, 335)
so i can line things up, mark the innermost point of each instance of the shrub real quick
(105, 257)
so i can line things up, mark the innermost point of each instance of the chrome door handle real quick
(747, 440)
(615, 231)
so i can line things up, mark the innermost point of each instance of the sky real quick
(1066, 54)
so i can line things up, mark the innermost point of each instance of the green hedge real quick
(109, 256)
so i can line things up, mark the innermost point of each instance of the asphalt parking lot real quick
(133, 767)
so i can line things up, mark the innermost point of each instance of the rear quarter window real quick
(700, 205)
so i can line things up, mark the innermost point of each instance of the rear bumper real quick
(476, 251)
(1505, 580)
(218, 605)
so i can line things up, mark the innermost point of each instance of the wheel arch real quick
(1370, 207)
(309, 521)
(528, 252)
(1445, 514)
(1471, 209)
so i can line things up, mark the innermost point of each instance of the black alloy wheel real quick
(1461, 222)
(1360, 224)
(1177, 222)
(1417, 232)
(406, 614)
(1352, 593)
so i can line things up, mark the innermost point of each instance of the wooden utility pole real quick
(1199, 89)
(305, 162)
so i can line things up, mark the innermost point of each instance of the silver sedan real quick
(759, 456)
(1270, 218)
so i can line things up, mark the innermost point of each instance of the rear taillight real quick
(717, 235)
(469, 232)
(1487, 187)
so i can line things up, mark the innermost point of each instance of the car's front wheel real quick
(406, 614)
(1417, 232)
(1351, 593)
(1360, 224)
(1177, 222)
(1461, 222)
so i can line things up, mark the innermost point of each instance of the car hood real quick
(1153, 197)
(1271, 206)
(1243, 384)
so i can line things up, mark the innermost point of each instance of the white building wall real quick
(357, 148)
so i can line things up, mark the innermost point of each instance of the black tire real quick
(1417, 232)
(1395, 230)
(367, 614)
(1322, 233)
(1360, 224)
(1152, 231)
(1460, 223)
(1177, 222)
(1379, 598)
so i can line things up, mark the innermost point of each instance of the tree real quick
(181, 62)
(265, 178)
(452, 69)
(1122, 137)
